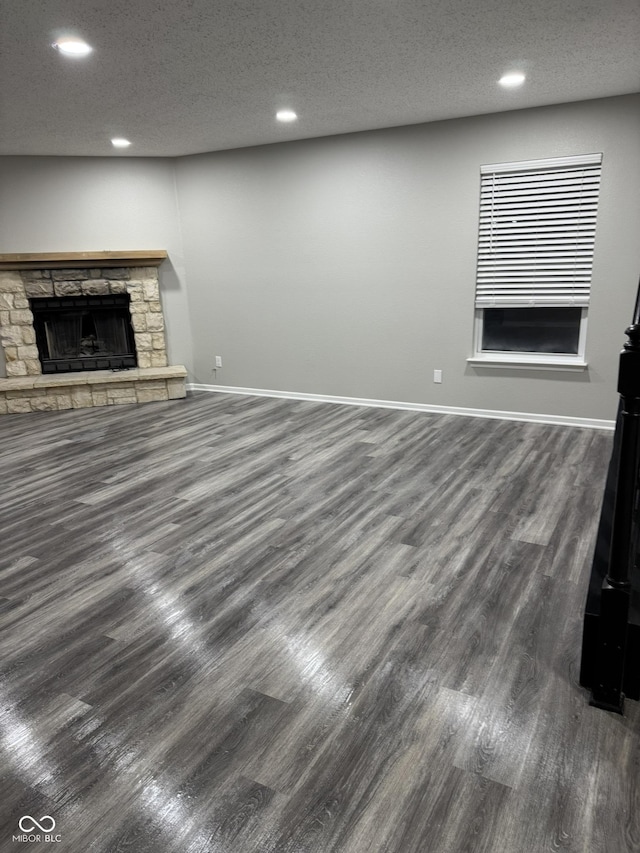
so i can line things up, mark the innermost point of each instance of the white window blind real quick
(537, 232)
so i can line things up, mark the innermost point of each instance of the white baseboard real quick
(560, 420)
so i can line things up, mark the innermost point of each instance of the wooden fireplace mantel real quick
(78, 260)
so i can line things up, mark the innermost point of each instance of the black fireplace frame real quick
(46, 307)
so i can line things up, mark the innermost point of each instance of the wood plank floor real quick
(237, 624)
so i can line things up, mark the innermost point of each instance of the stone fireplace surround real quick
(33, 276)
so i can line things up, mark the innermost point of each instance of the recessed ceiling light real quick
(286, 115)
(72, 47)
(511, 80)
(119, 142)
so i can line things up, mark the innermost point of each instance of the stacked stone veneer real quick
(26, 389)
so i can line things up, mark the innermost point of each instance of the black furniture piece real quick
(610, 664)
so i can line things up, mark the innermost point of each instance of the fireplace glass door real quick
(84, 333)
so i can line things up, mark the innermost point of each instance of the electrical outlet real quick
(437, 376)
(218, 361)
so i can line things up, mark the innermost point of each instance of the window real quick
(535, 256)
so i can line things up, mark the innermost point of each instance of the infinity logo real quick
(34, 823)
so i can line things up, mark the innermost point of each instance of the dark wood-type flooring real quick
(250, 625)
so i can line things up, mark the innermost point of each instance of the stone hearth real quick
(39, 276)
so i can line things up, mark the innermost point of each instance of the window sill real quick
(520, 362)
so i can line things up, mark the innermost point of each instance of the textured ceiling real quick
(184, 76)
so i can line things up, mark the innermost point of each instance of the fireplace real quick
(76, 333)
(83, 329)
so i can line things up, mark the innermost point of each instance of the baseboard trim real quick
(528, 417)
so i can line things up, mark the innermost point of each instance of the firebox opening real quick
(84, 333)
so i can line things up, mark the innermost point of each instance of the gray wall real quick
(78, 204)
(345, 265)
